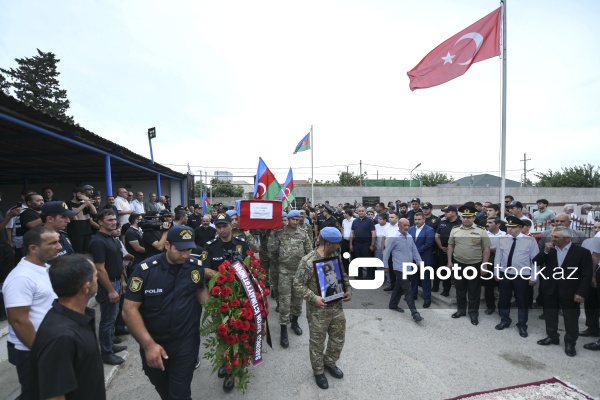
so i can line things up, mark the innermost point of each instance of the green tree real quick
(35, 83)
(586, 175)
(431, 179)
(225, 189)
(199, 187)
(351, 179)
(4, 84)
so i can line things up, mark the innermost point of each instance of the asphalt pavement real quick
(388, 356)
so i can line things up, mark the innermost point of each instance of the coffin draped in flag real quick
(453, 58)
(287, 192)
(266, 186)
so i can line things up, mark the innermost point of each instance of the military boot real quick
(284, 342)
(295, 327)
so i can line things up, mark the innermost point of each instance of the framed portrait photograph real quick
(329, 279)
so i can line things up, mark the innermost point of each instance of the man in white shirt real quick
(346, 230)
(380, 230)
(494, 232)
(28, 295)
(391, 229)
(137, 205)
(123, 206)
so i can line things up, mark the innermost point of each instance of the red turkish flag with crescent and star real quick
(453, 58)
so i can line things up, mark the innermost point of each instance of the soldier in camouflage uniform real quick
(306, 226)
(323, 319)
(288, 246)
(274, 269)
(237, 232)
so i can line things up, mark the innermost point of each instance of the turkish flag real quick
(453, 58)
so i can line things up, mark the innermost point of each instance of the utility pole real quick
(361, 180)
(525, 159)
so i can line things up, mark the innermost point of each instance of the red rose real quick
(226, 291)
(246, 302)
(221, 279)
(244, 337)
(222, 329)
(235, 303)
(224, 307)
(247, 346)
(222, 268)
(267, 292)
(231, 340)
(252, 327)
(255, 274)
(215, 290)
(246, 325)
(238, 324)
(236, 363)
(249, 253)
(258, 296)
(261, 284)
(228, 367)
(245, 361)
(230, 278)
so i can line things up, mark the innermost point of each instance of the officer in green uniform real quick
(273, 267)
(324, 320)
(288, 246)
(468, 245)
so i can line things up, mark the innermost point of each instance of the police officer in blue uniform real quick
(442, 235)
(162, 310)
(224, 247)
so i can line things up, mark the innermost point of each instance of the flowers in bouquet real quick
(232, 316)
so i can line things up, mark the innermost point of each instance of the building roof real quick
(36, 147)
(484, 180)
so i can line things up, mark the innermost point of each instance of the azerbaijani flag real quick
(266, 186)
(287, 192)
(304, 144)
(206, 207)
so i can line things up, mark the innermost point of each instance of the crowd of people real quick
(151, 266)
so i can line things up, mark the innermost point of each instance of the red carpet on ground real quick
(552, 388)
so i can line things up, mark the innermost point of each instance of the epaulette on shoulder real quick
(211, 242)
(145, 266)
(195, 261)
(456, 226)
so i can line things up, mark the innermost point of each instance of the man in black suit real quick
(567, 277)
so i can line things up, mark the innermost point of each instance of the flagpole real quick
(503, 145)
(312, 171)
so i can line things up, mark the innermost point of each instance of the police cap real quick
(182, 237)
(57, 208)
(449, 208)
(222, 218)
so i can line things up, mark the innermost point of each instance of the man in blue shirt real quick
(403, 250)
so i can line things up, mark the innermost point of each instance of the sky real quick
(227, 82)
